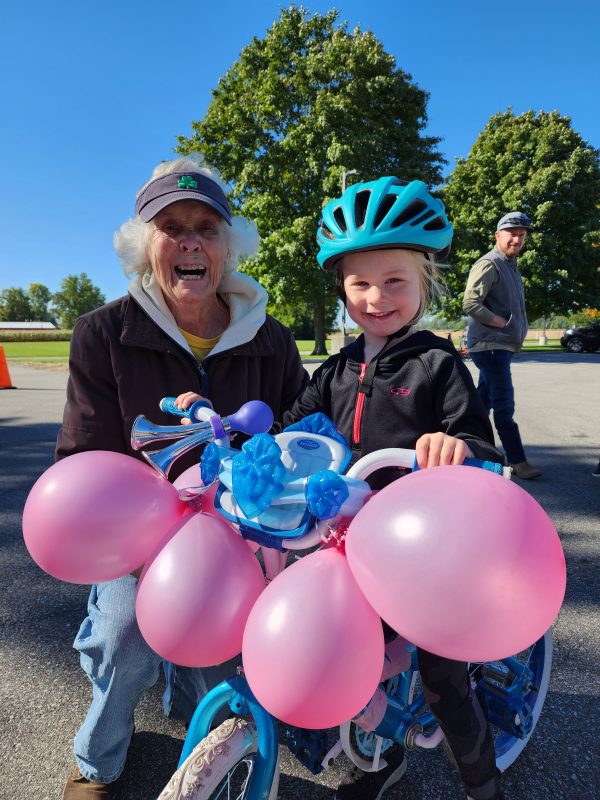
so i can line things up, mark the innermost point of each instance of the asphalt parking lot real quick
(44, 694)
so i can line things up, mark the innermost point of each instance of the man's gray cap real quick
(167, 189)
(514, 219)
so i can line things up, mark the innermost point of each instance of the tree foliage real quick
(20, 305)
(15, 305)
(77, 296)
(39, 297)
(301, 106)
(538, 164)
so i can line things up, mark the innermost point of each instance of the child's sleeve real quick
(461, 411)
(310, 400)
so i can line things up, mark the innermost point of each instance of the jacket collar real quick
(503, 257)
(247, 302)
(408, 340)
(355, 350)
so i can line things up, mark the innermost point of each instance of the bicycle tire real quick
(220, 766)
(539, 659)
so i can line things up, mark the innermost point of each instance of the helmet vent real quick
(410, 212)
(360, 208)
(339, 217)
(326, 233)
(385, 205)
(420, 220)
(436, 224)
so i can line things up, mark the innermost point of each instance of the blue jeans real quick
(495, 388)
(121, 666)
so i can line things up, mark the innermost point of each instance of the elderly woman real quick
(189, 324)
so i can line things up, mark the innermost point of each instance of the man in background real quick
(495, 302)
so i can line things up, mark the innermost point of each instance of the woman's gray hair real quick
(131, 240)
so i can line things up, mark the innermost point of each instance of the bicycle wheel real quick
(220, 767)
(513, 703)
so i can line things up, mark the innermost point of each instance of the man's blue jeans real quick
(495, 388)
(121, 666)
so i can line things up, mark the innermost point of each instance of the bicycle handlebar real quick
(388, 457)
(167, 404)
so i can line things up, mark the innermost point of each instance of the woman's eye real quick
(209, 231)
(171, 230)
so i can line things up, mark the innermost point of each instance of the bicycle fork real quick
(236, 693)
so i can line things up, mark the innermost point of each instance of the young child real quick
(399, 387)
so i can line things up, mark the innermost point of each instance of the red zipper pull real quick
(360, 401)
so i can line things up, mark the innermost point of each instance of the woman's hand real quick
(439, 449)
(185, 400)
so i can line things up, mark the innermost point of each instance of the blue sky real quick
(93, 95)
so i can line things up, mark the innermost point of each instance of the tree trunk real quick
(319, 321)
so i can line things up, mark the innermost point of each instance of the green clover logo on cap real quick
(187, 182)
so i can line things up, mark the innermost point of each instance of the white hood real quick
(246, 298)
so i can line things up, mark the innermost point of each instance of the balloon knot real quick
(337, 536)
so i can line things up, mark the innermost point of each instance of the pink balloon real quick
(203, 502)
(194, 598)
(97, 515)
(459, 561)
(206, 501)
(313, 646)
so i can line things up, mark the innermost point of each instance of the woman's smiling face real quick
(187, 249)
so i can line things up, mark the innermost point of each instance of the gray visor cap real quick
(514, 219)
(175, 186)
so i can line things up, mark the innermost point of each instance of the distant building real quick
(27, 326)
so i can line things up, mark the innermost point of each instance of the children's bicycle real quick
(239, 758)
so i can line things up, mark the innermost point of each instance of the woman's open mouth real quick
(190, 273)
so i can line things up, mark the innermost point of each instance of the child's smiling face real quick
(384, 289)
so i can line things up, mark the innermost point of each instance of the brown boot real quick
(79, 788)
(525, 471)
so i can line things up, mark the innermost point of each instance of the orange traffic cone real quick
(5, 381)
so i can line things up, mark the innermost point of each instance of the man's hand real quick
(439, 450)
(499, 322)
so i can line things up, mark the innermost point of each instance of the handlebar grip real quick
(167, 404)
(490, 466)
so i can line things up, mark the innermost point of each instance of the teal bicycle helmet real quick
(382, 214)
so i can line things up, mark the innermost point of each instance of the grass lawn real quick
(36, 351)
(306, 346)
(59, 351)
(534, 347)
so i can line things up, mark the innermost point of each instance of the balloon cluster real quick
(459, 561)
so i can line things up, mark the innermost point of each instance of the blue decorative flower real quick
(257, 474)
(326, 492)
(210, 462)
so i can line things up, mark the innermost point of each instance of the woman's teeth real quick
(190, 273)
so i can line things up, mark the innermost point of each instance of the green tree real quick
(303, 105)
(300, 319)
(535, 163)
(15, 305)
(77, 296)
(39, 297)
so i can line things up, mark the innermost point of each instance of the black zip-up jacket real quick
(122, 363)
(415, 385)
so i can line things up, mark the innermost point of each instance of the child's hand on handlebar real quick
(439, 449)
(185, 400)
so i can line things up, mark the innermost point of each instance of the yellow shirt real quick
(199, 347)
